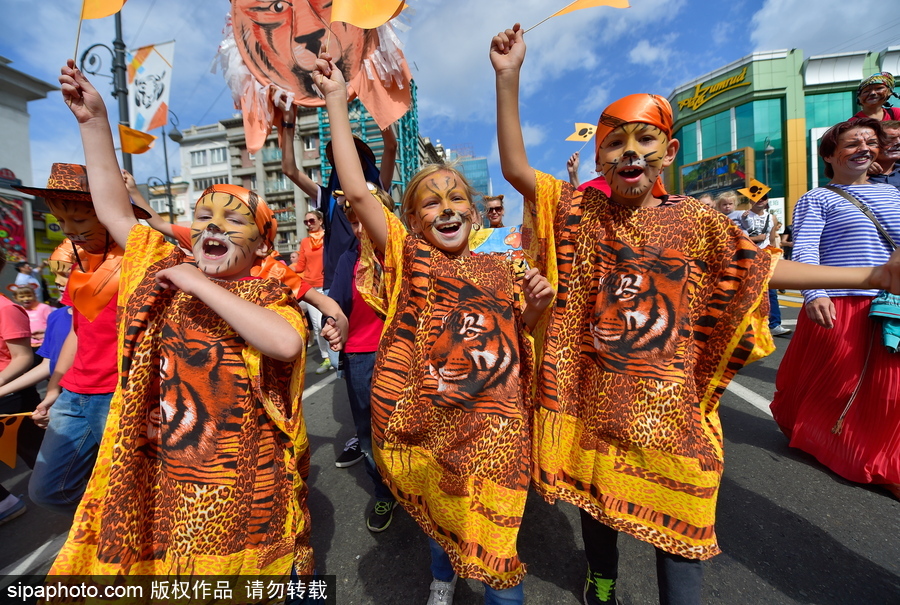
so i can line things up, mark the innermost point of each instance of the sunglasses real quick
(495, 209)
(310, 221)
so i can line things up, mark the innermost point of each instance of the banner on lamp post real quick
(149, 83)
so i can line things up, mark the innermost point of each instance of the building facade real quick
(25, 232)
(762, 116)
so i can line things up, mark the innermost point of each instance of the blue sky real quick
(576, 64)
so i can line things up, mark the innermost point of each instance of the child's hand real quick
(508, 49)
(328, 77)
(185, 277)
(573, 163)
(887, 276)
(538, 291)
(130, 185)
(334, 330)
(80, 95)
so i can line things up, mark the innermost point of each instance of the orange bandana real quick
(317, 239)
(643, 108)
(262, 214)
(92, 289)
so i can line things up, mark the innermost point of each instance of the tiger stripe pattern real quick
(657, 308)
(451, 412)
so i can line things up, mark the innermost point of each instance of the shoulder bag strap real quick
(865, 210)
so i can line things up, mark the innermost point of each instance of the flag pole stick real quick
(550, 17)
(14, 415)
(78, 33)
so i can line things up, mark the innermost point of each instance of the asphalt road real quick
(792, 532)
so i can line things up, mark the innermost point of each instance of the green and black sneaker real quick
(599, 590)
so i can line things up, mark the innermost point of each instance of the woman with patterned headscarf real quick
(874, 94)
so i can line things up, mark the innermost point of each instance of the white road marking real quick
(751, 397)
(310, 391)
(37, 557)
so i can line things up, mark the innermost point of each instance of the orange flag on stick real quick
(580, 4)
(9, 428)
(97, 9)
(583, 132)
(366, 14)
(135, 141)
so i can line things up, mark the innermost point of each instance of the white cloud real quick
(646, 54)
(828, 26)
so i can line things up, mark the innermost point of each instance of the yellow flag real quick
(9, 427)
(97, 9)
(365, 14)
(583, 132)
(135, 141)
(580, 4)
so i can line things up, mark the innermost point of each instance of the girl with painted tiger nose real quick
(451, 439)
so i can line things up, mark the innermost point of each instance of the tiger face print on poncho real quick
(657, 309)
(450, 400)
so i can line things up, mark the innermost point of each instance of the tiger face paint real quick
(631, 158)
(225, 239)
(80, 224)
(856, 149)
(442, 212)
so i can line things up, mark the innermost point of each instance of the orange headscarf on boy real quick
(643, 108)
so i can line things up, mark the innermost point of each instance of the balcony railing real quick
(271, 154)
(277, 185)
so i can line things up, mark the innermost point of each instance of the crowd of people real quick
(172, 424)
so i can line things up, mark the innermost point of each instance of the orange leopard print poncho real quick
(201, 469)
(657, 309)
(451, 407)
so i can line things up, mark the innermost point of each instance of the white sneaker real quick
(780, 331)
(442, 592)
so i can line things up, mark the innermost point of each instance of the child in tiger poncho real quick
(450, 405)
(201, 470)
(662, 301)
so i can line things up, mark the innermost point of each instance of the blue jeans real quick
(358, 373)
(774, 310)
(69, 450)
(442, 570)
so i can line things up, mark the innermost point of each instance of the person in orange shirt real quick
(310, 267)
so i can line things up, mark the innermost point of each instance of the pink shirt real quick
(37, 318)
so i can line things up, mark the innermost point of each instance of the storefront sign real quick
(704, 92)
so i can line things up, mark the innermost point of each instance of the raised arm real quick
(572, 167)
(330, 81)
(288, 160)
(388, 158)
(155, 220)
(107, 187)
(507, 55)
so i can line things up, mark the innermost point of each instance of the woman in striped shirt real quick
(838, 387)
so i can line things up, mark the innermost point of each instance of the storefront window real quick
(824, 111)
(687, 149)
(716, 133)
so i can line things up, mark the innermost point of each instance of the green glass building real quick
(762, 116)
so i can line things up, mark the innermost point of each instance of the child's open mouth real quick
(448, 228)
(631, 173)
(214, 248)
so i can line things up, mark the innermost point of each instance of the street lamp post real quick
(176, 137)
(168, 186)
(767, 151)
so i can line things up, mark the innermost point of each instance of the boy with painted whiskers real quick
(661, 301)
(202, 468)
(450, 401)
